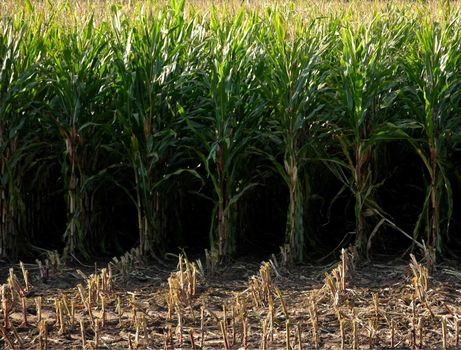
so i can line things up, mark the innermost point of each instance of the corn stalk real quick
(223, 119)
(364, 90)
(16, 97)
(75, 75)
(292, 84)
(432, 125)
(149, 63)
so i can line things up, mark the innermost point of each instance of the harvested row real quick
(190, 309)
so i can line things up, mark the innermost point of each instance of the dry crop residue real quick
(246, 305)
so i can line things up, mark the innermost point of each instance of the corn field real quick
(123, 123)
(190, 140)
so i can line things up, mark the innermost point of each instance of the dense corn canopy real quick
(134, 116)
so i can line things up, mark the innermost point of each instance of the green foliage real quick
(151, 103)
(430, 92)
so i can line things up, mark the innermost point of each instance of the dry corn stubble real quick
(375, 319)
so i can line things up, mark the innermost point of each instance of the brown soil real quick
(417, 320)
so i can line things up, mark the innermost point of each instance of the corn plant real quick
(223, 119)
(17, 92)
(292, 83)
(149, 62)
(363, 84)
(431, 118)
(75, 76)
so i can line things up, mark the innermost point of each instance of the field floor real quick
(245, 305)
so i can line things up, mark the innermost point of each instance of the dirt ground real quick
(247, 304)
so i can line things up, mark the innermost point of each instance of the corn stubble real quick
(97, 314)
